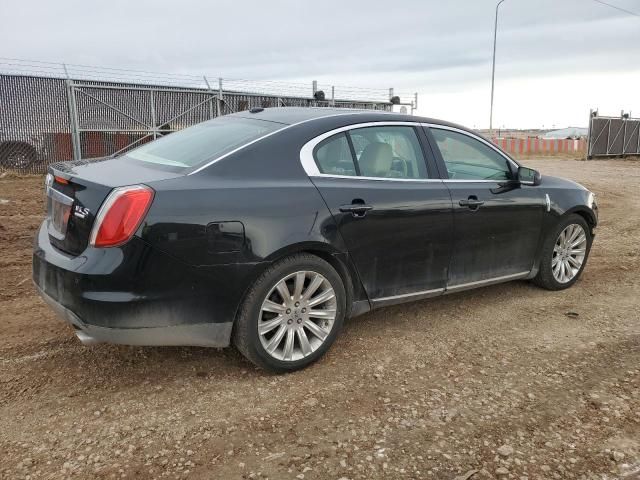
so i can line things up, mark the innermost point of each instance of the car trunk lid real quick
(76, 190)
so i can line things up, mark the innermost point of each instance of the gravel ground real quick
(508, 381)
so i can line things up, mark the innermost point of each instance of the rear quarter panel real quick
(267, 207)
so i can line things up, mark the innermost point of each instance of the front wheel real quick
(564, 254)
(292, 314)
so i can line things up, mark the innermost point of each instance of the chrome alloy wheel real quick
(568, 253)
(297, 316)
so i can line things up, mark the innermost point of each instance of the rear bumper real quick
(139, 295)
(199, 335)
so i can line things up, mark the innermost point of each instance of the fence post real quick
(206, 82)
(333, 95)
(152, 107)
(589, 133)
(73, 115)
(220, 99)
(624, 133)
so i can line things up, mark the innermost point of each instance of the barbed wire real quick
(92, 73)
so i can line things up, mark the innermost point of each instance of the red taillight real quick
(120, 215)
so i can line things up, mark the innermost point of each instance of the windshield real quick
(203, 142)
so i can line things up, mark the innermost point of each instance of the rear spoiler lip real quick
(65, 169)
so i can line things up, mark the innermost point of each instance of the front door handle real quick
(472, 202)
(357, 210)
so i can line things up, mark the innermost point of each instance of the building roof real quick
(570, 132)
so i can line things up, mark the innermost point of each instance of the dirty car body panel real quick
(213, 227)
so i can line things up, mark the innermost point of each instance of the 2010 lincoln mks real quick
(267, 228)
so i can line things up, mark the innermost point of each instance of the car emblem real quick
(80, 212)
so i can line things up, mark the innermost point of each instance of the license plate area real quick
(58, 210)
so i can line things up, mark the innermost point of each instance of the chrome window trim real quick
(480, 139)
(311, 168)
(285, 127)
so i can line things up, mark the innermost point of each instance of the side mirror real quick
(529, 176)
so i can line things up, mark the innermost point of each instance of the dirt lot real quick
(510, 380)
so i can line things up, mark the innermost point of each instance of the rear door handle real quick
(472, 202)
(357, 210)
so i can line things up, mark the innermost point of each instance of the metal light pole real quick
(493, 67)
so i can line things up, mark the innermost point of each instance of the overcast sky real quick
(555, 58)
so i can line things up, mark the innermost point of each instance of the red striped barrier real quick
(539, 146)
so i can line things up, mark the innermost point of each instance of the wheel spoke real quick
(326, 313)
(273, 307)
(555, 261)
(562, 271)
(578, 251)
(313, 286)
(288, 345)
(574, 262)
(267, 326)
(283, 290)
(568, 270)
(304, 341)
(581, 238)
(276, 339)
(316, 330)
(563, 237)
(323, 297)
(299, 285)
(575, 231)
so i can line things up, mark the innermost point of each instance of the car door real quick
(394, 215)
(497, 222)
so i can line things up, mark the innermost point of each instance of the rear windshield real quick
(206, 141)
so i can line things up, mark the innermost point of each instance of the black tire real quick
(245, 333)
(545, 277)
(17, 156)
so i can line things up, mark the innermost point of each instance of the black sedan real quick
(267, 228)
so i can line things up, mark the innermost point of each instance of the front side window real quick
(469, 159)
(206, 141)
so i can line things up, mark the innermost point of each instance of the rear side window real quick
(389, 152)
(333, 156)
(378, 152)
(206, 141)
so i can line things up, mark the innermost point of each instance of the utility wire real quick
(618, 8)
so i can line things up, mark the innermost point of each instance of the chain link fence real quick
(55, 112)
(613, 136)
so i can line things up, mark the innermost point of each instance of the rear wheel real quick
(564, 254)
(292, 314)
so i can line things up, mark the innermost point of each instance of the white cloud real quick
(555, 59)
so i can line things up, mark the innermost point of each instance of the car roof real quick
(293, 115)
